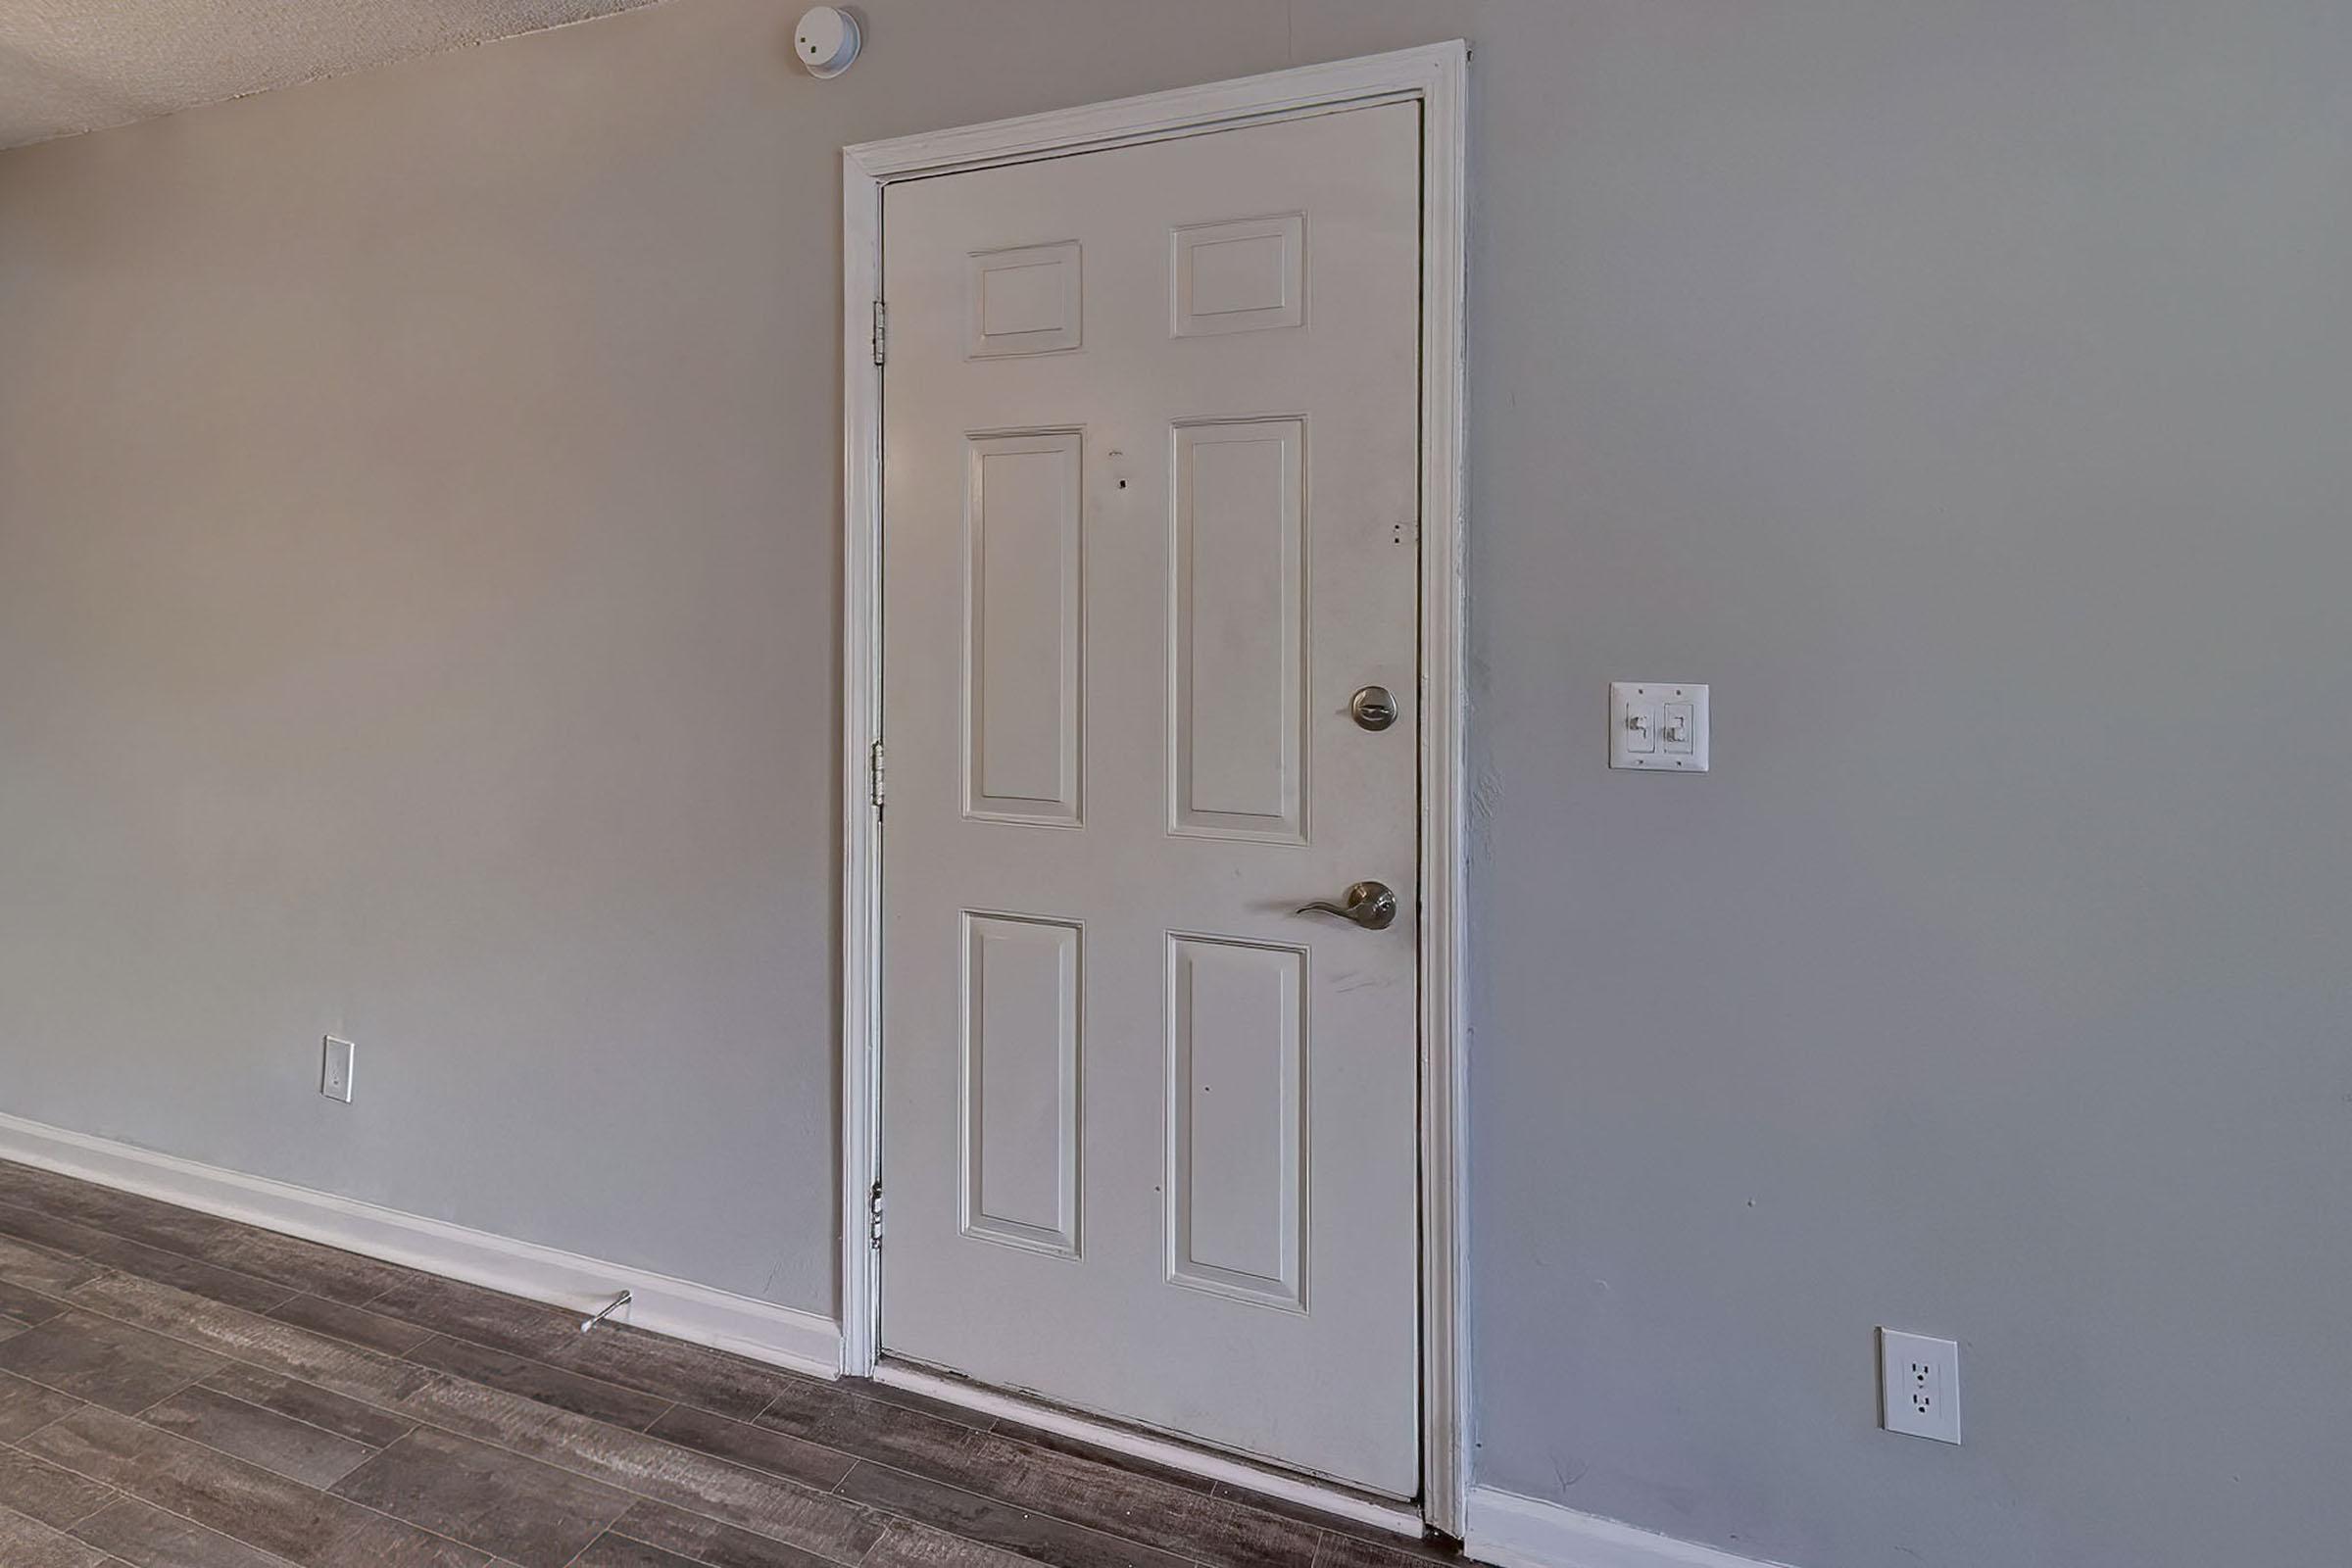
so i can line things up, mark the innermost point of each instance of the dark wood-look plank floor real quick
(178, 1391)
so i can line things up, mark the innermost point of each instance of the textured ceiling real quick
(75, 64)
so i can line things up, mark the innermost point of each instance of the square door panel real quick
(1019, 1090)
(1024, 300)
(1245, 276)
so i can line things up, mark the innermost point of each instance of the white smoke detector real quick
(827, 41)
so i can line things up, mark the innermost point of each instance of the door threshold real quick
(1286, 1486)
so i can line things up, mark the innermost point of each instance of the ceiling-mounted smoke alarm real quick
(827, 41)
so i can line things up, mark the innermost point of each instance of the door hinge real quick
(873, 1216)
(873, 775)
(881, 332)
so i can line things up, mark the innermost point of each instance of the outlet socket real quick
(1919, 1386)
(338, 1058)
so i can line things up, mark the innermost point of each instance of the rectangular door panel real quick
(1022, 616)
(1024, 300)
(1019, 1125)
(1238, 630)
(1248, 276)
(1236, 1119)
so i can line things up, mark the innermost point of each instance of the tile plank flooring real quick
(178, 1391)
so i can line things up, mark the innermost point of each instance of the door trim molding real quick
(1435, 76)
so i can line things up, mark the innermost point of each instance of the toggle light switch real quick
(1640, 726)
(1678, 731)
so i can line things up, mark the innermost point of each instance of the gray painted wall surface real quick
(418, 617)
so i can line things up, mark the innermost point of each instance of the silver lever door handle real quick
(1370, 904)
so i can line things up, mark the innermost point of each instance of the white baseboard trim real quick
(1509, 1530)
(781, 1336)
(1304, 1490)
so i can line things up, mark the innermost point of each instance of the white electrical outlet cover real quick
(337, 1059)
(1919, 1386)
(1659, 726)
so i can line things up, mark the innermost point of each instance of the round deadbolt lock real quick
(1373, 708)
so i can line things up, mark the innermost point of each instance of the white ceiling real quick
(68, 66)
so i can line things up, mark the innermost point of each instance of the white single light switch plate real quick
(1658, 725)
(335, 1073)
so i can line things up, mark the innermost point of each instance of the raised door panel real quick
(1019, 1123)
(1022, 621)
(1245, 276)
(1024, 300)
(1237, 744)
(1236, 1119)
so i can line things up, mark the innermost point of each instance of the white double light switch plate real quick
(1658, 725)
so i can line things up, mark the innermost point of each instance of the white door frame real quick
(1435, 77)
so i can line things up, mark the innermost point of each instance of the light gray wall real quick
(418, 616)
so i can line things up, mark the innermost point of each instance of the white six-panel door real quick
(1149, 1132)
